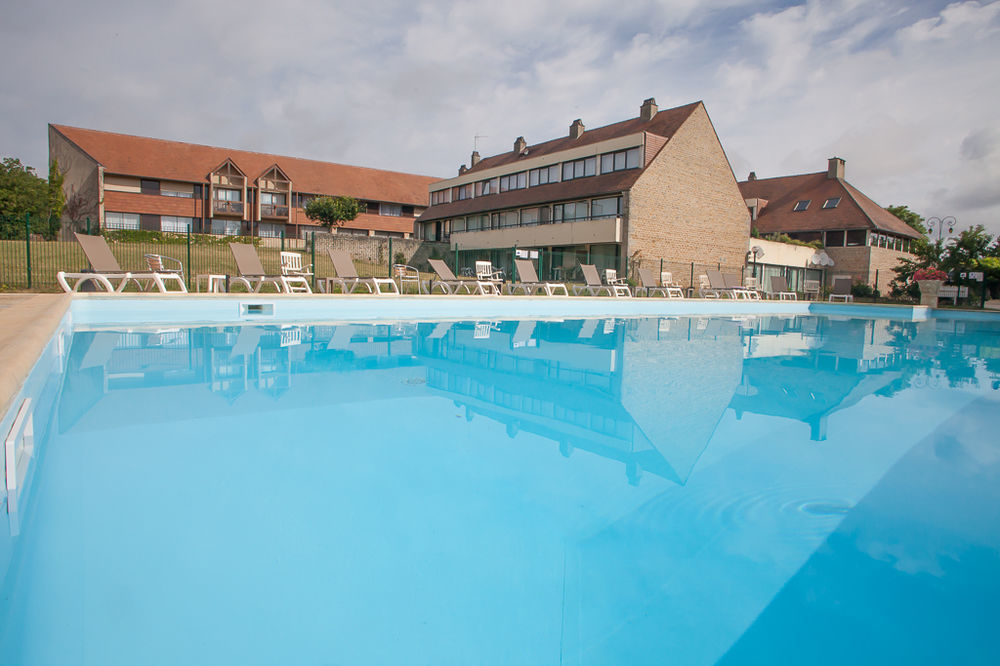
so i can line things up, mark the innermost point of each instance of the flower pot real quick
(929, 292)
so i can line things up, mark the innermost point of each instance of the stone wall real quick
(375, 249)
(687, 207)
(861, 263)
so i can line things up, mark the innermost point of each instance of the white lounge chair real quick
(254, 277)
(106, 269)
(528, 280)
(649, 286)
(489, 280)
(447, 281)
(619, 285)
(348, 279)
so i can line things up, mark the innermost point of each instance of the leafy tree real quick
(972, 249)
(911, 218)
(333, 211)
(24, 193)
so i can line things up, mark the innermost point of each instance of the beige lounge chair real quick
(106, 269)
(649, 286)
(779, 290)
(528, 280)
(705, 289)
(254, 277)
(348, 279)
(593, 285)
(447, 281)
(810, 288)
(726, 287)
(842, 290)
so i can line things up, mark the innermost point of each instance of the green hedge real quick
(142, 236)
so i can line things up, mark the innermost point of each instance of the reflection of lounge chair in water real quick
(440, 330)
(588, 329)
(247, 341)
(522, 334)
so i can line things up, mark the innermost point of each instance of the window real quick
(273, 198)
(440, 197)
(515, 181)
(579, 168)
(265, 230)
(484, 187)
(458, 224)
(834, 239)
(149, 186)
(174, 224)
(226, 227)
(223, 194)
(392, 210)
(508, 218)
(529, 217)
(802, 205)
(463, 192)
(619, 161)
(831, 202)
(857, 237)
(177, 190)
(609, 207)
(543, 176)
(121, 220)
(569, 211)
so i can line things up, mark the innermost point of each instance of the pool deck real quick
(27, 322)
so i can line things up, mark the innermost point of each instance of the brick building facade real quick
(131, 182)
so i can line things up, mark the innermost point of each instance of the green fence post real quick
(661, 266)
(513, 265)
(27, 244)
(88, 225)
(189, 255)
(312, 238)
(390, 256)
(456, 260)
(282, 241)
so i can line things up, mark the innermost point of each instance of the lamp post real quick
(758, 252)
(940, 224)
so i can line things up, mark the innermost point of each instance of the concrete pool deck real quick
(27, 322)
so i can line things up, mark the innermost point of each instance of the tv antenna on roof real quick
(475, 141)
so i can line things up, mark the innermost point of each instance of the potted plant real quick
(930, 281)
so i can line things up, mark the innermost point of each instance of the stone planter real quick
(929, 292)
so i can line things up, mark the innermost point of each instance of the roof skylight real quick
(831, 202)
(802, 204)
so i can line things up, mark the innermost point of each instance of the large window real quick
(515, 181)
(273, 198)
(543, 176)
(463, 192)
(508, 218)
(183, 190)
(569, 211)
(609, 207)
(579, 168)
(174, 224)
(225, 194)
(265, 230)
(620, 160)
(392, 210)
(226, 227)
(834, 239)
(121, 220)
(857, 237)
(440, 197)
(484, 187)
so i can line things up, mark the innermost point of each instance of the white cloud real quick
(904, 92)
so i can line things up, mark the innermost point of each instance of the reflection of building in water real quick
(584, 385)
(806, 368)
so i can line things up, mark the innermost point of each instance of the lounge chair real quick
(723, 287)
(106, 268)
(447, 281)
(348, 279)
(593, 285)
(619, 285)
(529, 282)
(779, 289)
(291, 264)
(705, 289)
(404, 274)
(254, 277)
(740, 288)
(810, 288)
(649, 286)
(842, 290)
(667, 280)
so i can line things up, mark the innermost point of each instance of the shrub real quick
(929, 274)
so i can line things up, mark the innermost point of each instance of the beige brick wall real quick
(81, 178)
(861, 262)
(687, 205)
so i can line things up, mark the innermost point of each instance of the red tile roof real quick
(664, 124)
(188, 162)
(855, 210)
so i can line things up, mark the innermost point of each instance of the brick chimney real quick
(462, 170)
(648, 109)
(752, 176)
(836, 168)
(520, 144)
(474, 160)
(576, 129)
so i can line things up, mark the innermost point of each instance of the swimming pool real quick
(749, 488)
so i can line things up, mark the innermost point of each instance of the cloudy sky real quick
(908, 92)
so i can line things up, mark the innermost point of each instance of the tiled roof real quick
(664, 124)
(855, 210)
(569, 190)
(188, 162)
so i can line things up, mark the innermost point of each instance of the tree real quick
(911, 218)
(333, 211)
(24, 193)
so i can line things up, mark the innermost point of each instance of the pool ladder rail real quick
(18, 446)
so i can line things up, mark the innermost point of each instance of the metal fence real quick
(30, 262)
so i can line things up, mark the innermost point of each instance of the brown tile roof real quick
(610, 183)
(664, 124)
(173, 160)
(855, 210)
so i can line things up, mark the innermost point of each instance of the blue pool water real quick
(624, 491)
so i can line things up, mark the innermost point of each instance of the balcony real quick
(577, 232)
(274, 210)
(227, 207)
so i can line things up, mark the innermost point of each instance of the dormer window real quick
(802, 205)
(831, 202)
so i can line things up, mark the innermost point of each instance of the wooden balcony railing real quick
(230, 207)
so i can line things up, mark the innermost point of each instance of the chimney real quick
(752, 176)
(576, 129)
(474, 160)
(836, 168)
(648, 109)
(462, 170)
(519, 145)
